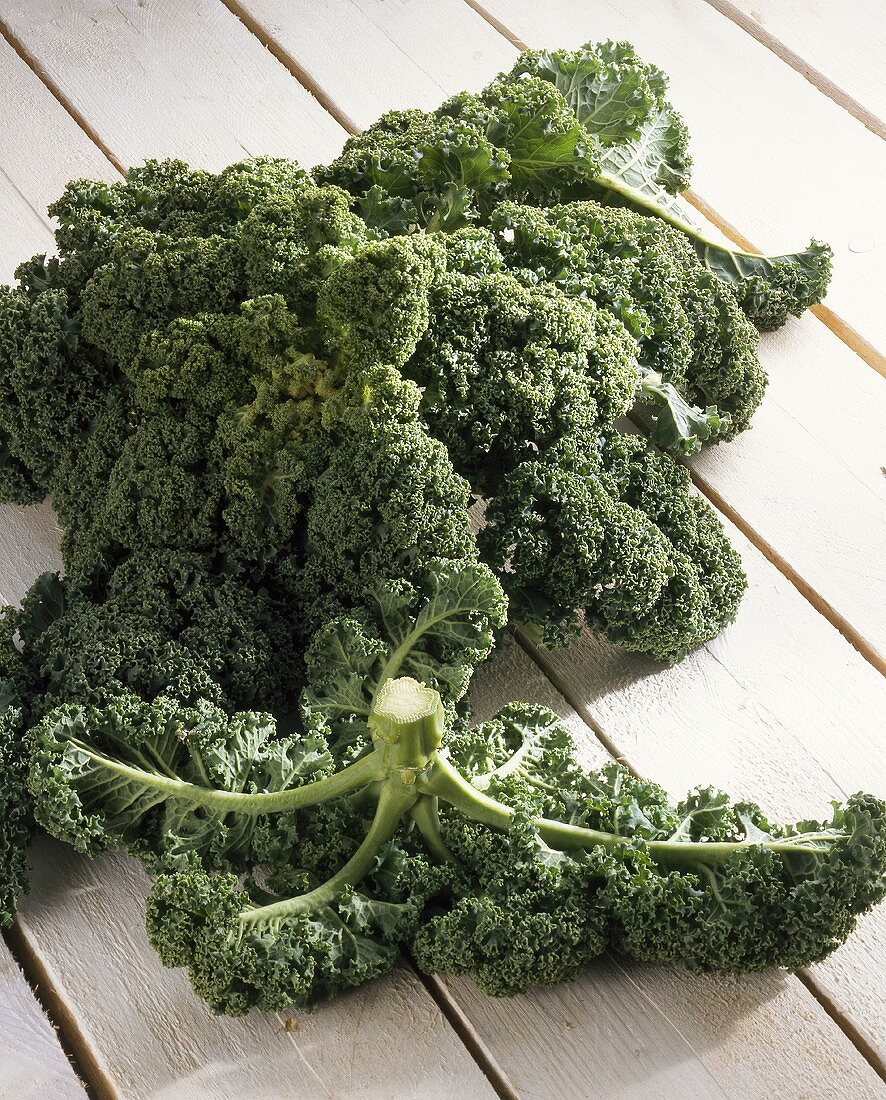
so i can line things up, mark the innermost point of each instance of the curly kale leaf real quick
(644, 163)
(677, 426)
(152, 777)
(620, 100)
(436, 632)
(192, 921)
(564, 126)
(14, 801)
(578, 860)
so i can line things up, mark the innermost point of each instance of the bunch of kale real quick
(262, 400)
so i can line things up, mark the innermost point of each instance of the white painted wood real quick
(158, 78)
(15, 210)
(779, 709)
(411, 53)
(807, 479)
(772, 155)
(41, 146)
(629, 1030)
(29, 546)
(153, 1039)
(32, 1064)
(32, 173)
(843, 42)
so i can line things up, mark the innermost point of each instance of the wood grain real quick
(772, 155)
(33, 173)
(158, 78)
(32, 1064)
(839, 47)
(153, 1038)
(387, 56)
(39, 167)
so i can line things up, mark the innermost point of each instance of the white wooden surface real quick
(389, 55)
(32, 1064)
(780, 708)
(161, 78)
(33, 172)
(840, 47)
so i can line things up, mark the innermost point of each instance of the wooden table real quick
(784, 99)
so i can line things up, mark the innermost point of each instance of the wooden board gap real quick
(70, 1037)
(57, 93)
(816, 78)
(537, 654)
(497, 24)
(821, 605)
(844, 332)
(290, 64)
(858, 1040)
(464, 1029)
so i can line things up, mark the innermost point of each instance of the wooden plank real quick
(810, 470)
(629, 1030)
(772, 155)
(41, 146)
(15, 210)
(29, 539)
(33, 172)
(807, 478)
(839, 48)
(32, 1064)
(157, 78)
(391, 55)
(779, 709)
(150, 1036)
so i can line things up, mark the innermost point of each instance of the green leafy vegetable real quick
(265, 404)
(489, 850)
(644, 163)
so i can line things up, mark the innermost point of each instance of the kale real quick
(290, 867)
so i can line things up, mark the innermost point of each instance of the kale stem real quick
(444, 781)
(394, 801)
(353, 777)
(638, 199)
(424, 814)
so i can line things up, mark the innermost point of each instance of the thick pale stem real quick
(447, 783)
(638, 199)
(425, 816)
(351, 778)
(394, 801)
(407, 723)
